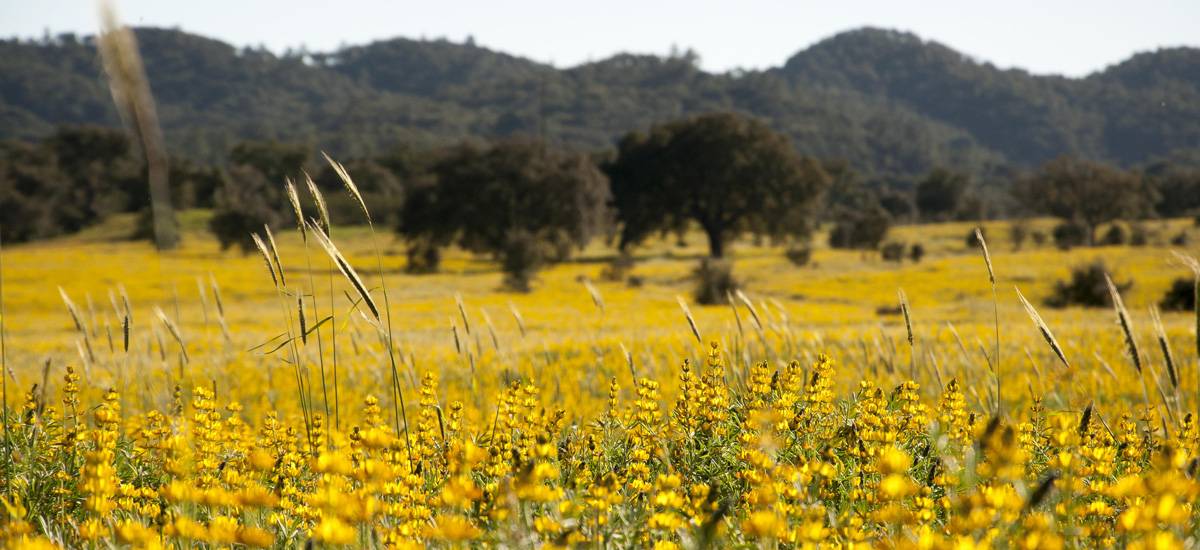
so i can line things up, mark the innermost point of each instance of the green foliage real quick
(714, 281)
(1181, 296)
(1085, 193)
(728, 173)
(861, 228)
(1086, 288)
(939, 194)
(247, 201)
(518, 200)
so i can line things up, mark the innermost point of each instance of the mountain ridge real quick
(890, 102)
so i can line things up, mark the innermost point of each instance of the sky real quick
(1073, 38)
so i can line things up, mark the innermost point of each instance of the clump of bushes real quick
(1070, 235)
(1115, 236)
(1086, 288)
(714, 280)
(861, 229)
(1018, 231)
(893, 252)
(799, 255)
(916, 253)
(1181, 296)
(618, 268)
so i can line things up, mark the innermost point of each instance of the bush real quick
(1181, 239)
(1181, 296)
(799, 256)
(1018, 231)
(916, 253)
(1069, 235)
(521, 259)
(714, 280)
(1115, 236)
(1139, 235)
(619, 268)
(245, 203)
(860, 229)
(973, 241)
(423, 257)
(1086, 288)
(893, 252)
(1038, 238)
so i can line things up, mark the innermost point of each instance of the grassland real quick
(577, 416)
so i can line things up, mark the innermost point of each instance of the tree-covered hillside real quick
(891, 104)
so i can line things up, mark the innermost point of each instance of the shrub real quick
(1018, 231)
(1114, 236)
(860, 229)
(1181, 239)
(799, 256)
(1069, 235)
(893, 252)
(618, 268)
(714, 280)
(1086, 288)
(245, 203)
(1038, 238)
(520, 260)
(423, 257)
(1139, 235)
(917, 252)
(1181, 296)
(971, 240)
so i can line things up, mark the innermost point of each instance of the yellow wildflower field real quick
(205, 398)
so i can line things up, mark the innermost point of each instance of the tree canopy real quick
(728, 173)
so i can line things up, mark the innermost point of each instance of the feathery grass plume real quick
(295, 200)
(987, 260)
(73, 310)
(628, 360)
(353, 189)
(454, 331)
(1041, 492)
(912, 348)
(303, 322)
(736, 316)
(1126, 325)
(1165, 345)
(266, 255)
(173, 329)
(487, 321)
(3, 352)
(275, 255)
(462, 311)
(319, 200)
(595, 293)
(691, 321)
(512, 308)
(344, 266)
(750, 306)
(135, 103)
(907, 319)
(1086, 419)
(203, 299)
(1044, 328)
(125, 327)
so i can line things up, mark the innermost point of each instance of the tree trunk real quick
(716, 242)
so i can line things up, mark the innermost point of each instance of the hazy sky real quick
(1047, 36)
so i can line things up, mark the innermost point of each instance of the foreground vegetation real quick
(817, 407)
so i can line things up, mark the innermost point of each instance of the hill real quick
(889, 102)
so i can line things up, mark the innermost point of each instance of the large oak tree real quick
(728, 173)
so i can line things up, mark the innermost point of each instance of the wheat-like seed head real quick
(319, 200)
(987, 256)
(344, 266)
(295, 200)
(1044, 328)
(353, 189)
(266, 255)
(1126, 324)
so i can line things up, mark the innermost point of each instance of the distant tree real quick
(938, 195)
(728, 173)
(274, 160)
(862, 228)
(517, 200)
(1085, 193)
(246, 202)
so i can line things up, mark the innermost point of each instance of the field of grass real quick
(159, 400)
